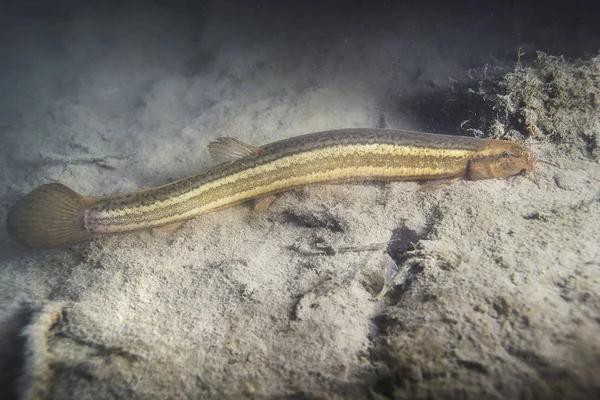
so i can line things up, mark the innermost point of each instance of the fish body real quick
(54, 215)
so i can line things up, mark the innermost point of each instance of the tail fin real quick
(50, 216)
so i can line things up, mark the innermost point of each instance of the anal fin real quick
(170, 228)
(263, 203)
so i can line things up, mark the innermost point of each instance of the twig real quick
(101, 347)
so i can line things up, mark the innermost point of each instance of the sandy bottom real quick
(492, 288)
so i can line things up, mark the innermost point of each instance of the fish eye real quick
(505, 154)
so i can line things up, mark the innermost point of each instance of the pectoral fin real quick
(438, 183)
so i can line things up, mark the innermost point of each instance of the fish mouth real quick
(532, 159)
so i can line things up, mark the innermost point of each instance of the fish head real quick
(499, 159)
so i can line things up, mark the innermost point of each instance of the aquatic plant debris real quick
(554, 99)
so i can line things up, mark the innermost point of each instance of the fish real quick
(54, 215)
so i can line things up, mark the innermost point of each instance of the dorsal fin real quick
(228, 149)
